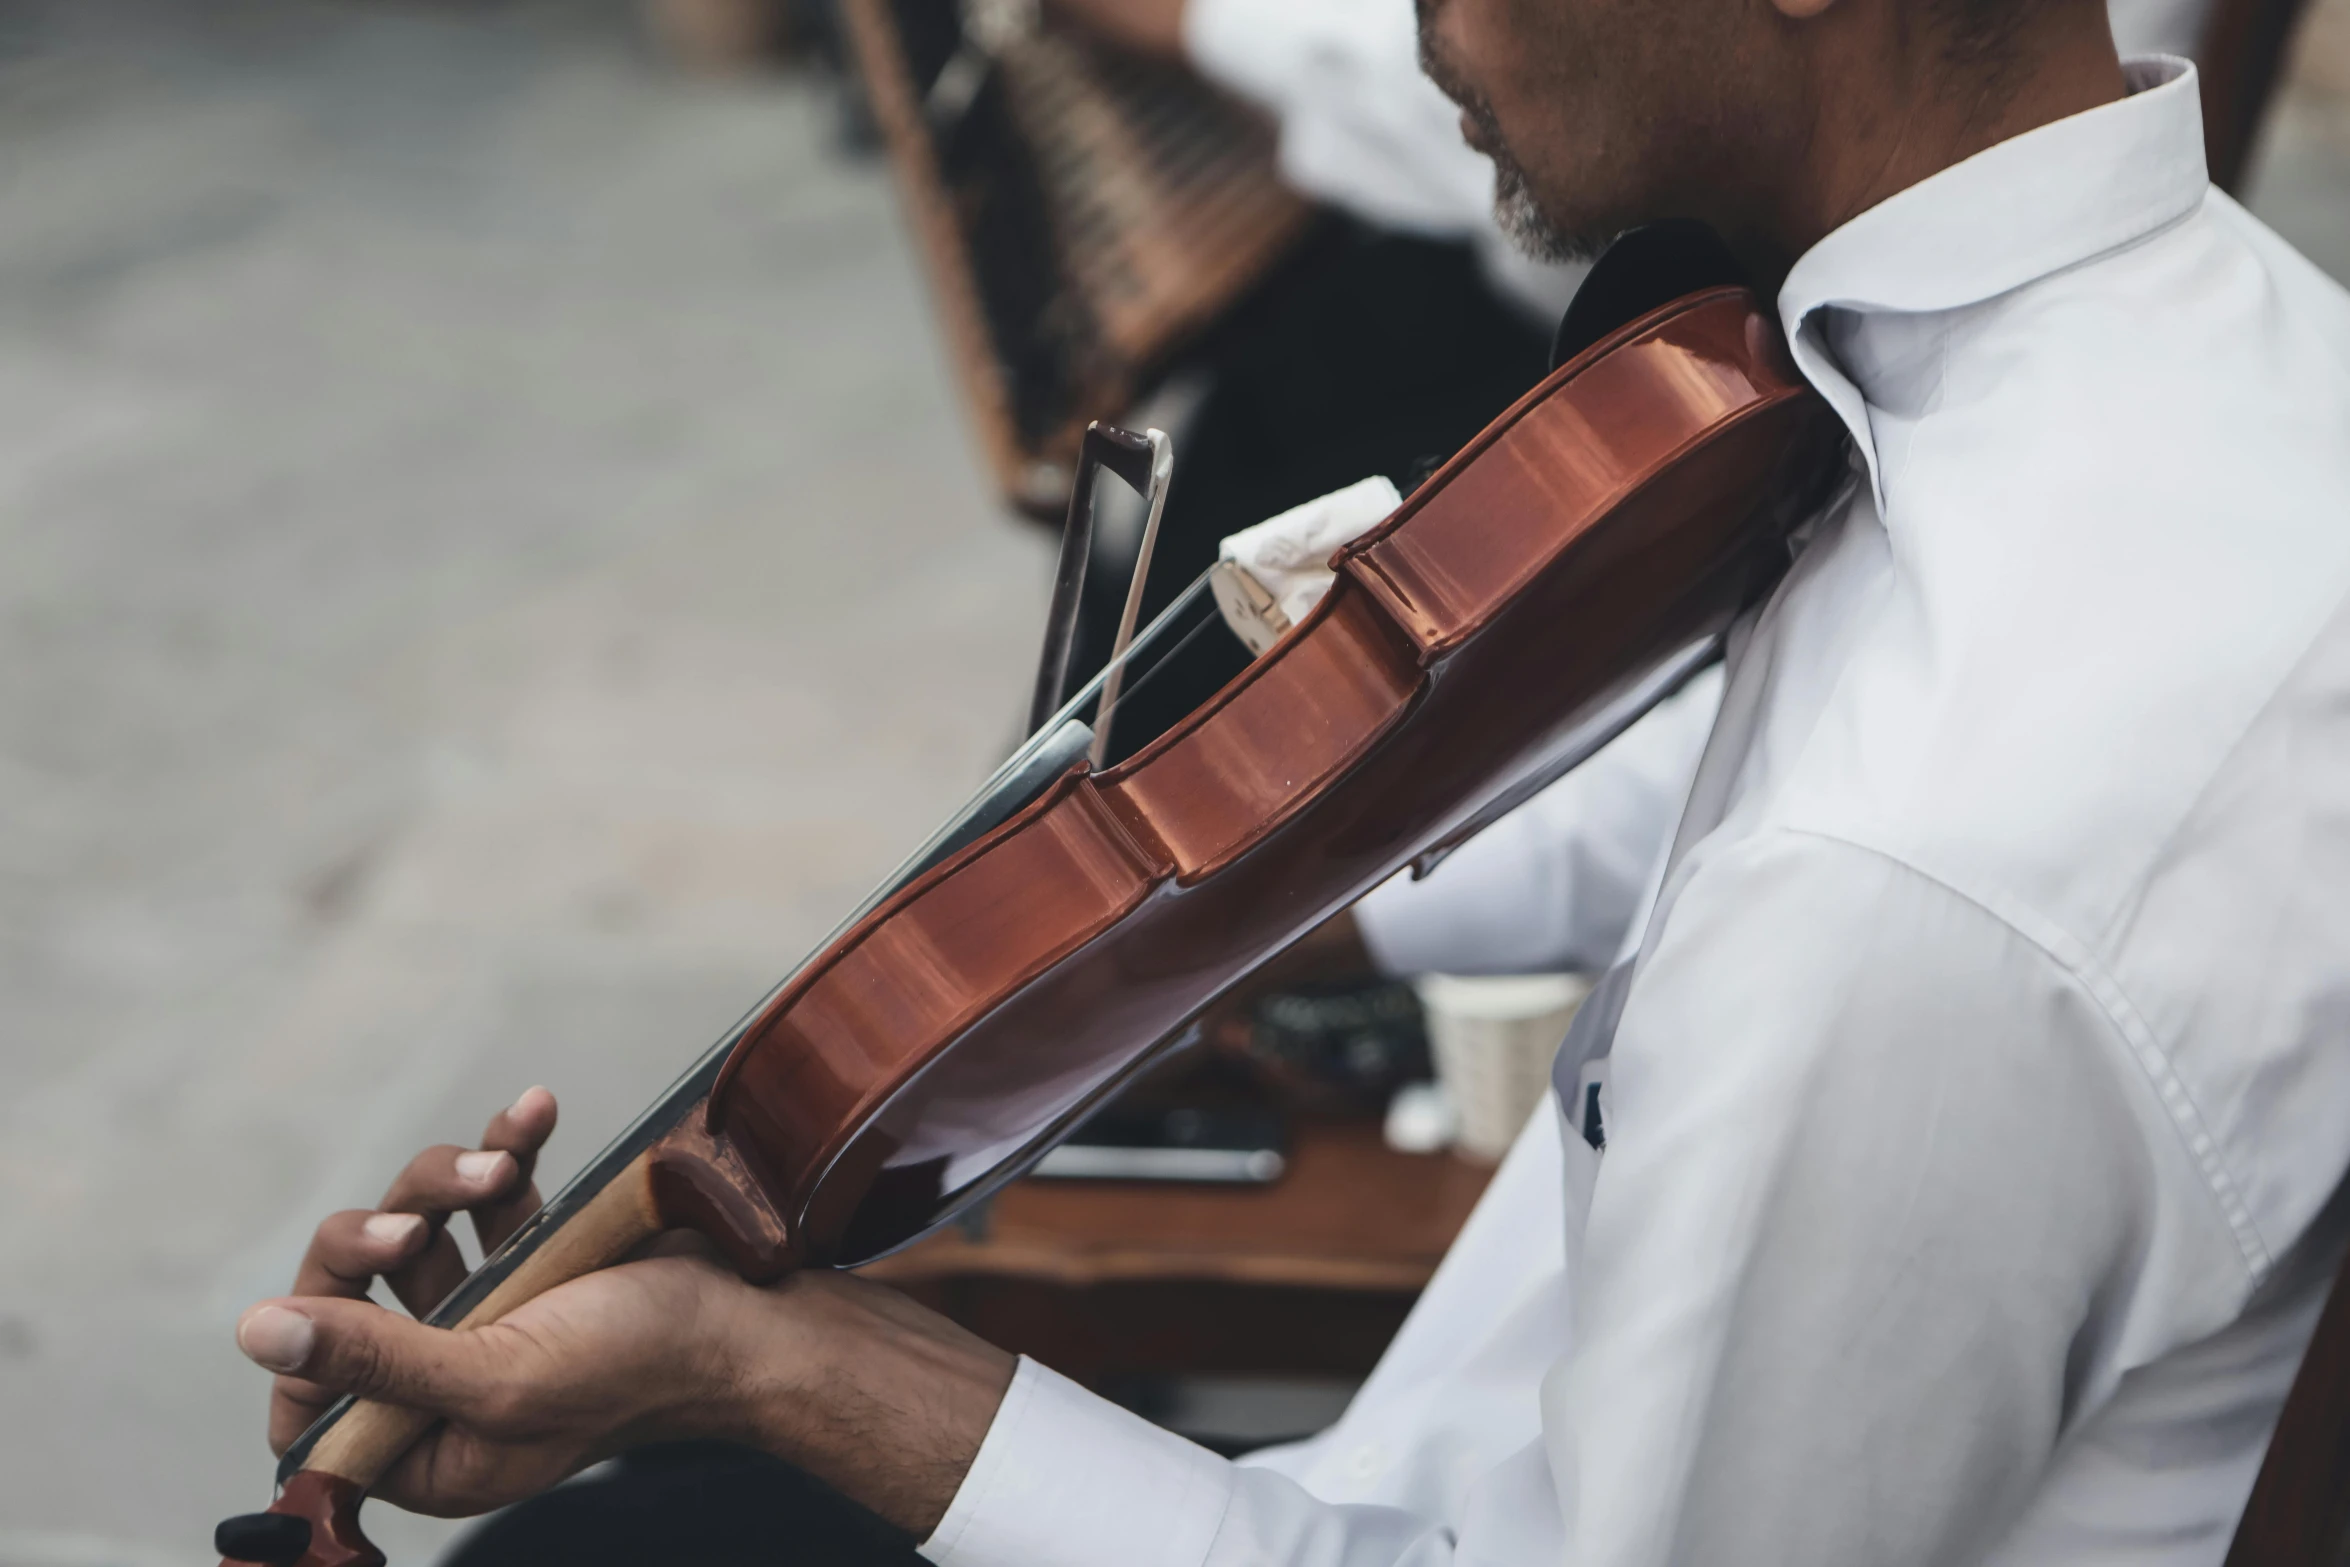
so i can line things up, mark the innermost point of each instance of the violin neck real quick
(609, 1177)
(621, 1216)
(1030, 771)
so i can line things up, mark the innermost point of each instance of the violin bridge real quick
(1247, 605)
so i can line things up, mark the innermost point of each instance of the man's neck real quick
(1878, 132)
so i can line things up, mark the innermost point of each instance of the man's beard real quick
(1515, 209)
(1525, 224)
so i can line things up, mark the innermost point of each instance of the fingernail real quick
(276, 1338)
(392, 1229)
(479, 1166)
(523, 1098)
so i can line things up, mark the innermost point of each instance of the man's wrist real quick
(878, 1397)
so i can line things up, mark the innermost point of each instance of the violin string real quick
(1145, 644)
(1157, 666)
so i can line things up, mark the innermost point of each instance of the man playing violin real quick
(1975, 1078)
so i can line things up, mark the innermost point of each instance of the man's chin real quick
(1531, 230)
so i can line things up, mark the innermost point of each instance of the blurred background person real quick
(1402, 326)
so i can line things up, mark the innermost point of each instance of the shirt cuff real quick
(1067, 1479)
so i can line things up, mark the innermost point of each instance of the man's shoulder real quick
(2208, 351)
(2119, 535)
(2128, 741)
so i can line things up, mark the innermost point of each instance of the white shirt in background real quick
(1980, 1094)
(1362, 129)
(2159, 26)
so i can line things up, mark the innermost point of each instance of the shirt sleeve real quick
(1065, 1476)
(1554, 885)
(1886, 1208)
(1888, 1205)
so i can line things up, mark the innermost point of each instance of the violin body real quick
(1564, 571)
(1618, 515)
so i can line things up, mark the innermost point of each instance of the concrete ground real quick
(489, 568)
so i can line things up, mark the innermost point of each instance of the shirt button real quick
(1366, 1461)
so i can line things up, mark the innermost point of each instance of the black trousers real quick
(696, 1504)
(1366, 353)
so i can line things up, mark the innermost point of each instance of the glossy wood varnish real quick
(1620, 514)
(1632, 502)
(1637, 500)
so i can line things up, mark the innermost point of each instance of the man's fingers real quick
(438, 1182)
(491, 1182)
(425, 1282)
(520, 1130)
(346, 1346)
(441, 1180)
(445, 1179)
(293, 1404)
(351, 1248)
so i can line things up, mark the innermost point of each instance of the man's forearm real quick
(877, 1397)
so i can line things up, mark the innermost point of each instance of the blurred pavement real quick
(489, 569)
(492, 570)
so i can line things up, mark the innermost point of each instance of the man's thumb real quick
(355, 1346)
(276, 1338)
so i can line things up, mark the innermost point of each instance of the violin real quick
(1573, 565)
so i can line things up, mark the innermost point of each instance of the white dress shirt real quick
(1984, 1079)
(1557, 884)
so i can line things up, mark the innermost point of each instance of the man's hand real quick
(882, 1399)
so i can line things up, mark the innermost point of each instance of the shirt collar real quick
(2029, 207)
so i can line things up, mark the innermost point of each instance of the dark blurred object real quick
(2299, 1511)
(1234, 1415)
(1237, 1144)
(686, 1504)
(2238, 62)
(1084, 213)
(720, 37)
(1340, 1046)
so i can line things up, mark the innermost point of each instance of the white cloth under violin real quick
(1978, 1101)
(1555, 884)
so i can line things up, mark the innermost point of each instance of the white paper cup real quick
(1494, 1038)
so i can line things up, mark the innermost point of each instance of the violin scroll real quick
(313, 1523)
